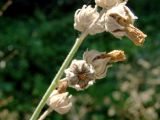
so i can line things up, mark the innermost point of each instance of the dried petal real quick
(78, 87)
(100, 65)
(109, 3)
(123, 12)
(80, 74)
(61, 103)
(84, 18)
(89, 56)
(106, 3)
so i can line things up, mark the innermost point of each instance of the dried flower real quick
(80, 75)
(109, 3)
(101, 60)
(84, 18)
(112, 24)
(60, 102)
(119, 21)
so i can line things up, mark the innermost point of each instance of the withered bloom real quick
(119, 21)
(60, 102)
(101, 61)
(100, 65)
(80, 75)
(84, 17)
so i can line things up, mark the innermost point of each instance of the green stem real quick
(58, 76)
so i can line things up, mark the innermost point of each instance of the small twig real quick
(5, 6)
(9, 56)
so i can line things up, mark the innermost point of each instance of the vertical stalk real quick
(58, 75)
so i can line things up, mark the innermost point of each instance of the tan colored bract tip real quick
(62, 87)
(136, 35)
(116, 55)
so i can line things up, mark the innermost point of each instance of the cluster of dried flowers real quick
(115, 17)
(108, 15)
(81, 74)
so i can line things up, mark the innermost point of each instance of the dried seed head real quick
(84, 17)
(101, 60)
(117, 19)
(80, 75)
(61, 103)
(109, 3)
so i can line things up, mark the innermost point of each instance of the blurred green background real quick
(36, 36)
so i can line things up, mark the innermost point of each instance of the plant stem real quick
(44, 115)
(58, 75)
